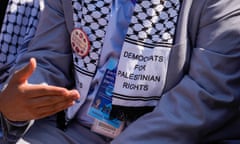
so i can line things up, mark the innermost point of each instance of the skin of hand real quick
(21, 101)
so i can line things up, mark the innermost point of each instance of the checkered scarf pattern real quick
(153, 22)
(21, 19)
(92, 17)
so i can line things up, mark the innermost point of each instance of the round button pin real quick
(80, 42)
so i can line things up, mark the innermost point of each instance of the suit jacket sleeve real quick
(51, 48)
(207, 97)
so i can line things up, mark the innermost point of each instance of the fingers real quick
(40, 90)
(40, 107)
(23, 108)
(46, 105)
(53, 104)
(23, 74)
(51, 109)
(45, 101)
(36, 90)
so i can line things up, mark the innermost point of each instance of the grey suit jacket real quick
(201, 98)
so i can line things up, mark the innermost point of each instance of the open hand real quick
(21, 101)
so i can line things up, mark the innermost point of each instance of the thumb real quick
(23, 74)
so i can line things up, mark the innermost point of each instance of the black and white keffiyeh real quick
(19, 26)
(153, 23)
(92, 18)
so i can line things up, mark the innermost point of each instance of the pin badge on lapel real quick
(80, 42)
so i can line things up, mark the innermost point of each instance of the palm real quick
(21, 101)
